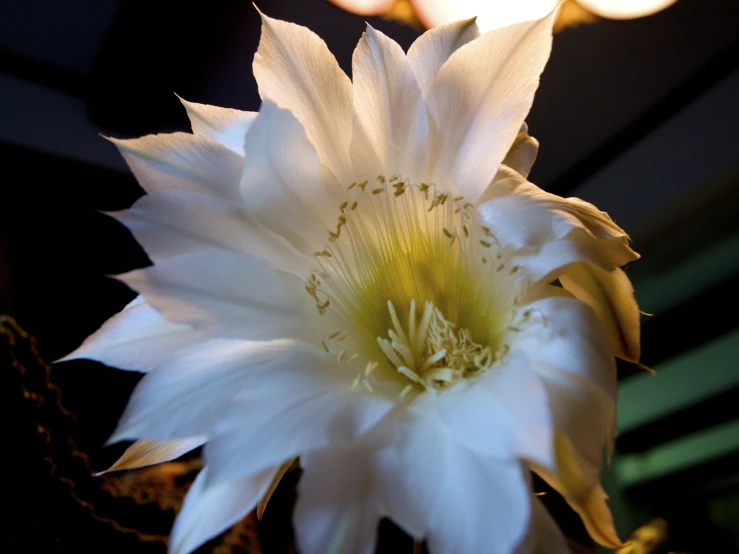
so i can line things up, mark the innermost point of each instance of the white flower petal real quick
(611, 295)
(229, 295)
(544, 264)
(570, 351)
(184, 162)
(171, 223)
(145, 453)
(566, 333)
(559, 234)
(521, 215)
(224, 125)
(577, 482)
(475, 418)
(283, 186)
(523, 151)
(338, 505)
(544, 536)
(390, 127)
(470, 504)
(479, 100)
(137, 338)
(185, 396)
(295, 70)
(503, 413)
(432, 49)
(521, 393)
(581, 410)
(210, 510)
(194, 198)
(303, 406)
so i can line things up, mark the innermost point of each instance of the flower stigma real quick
(416, 285)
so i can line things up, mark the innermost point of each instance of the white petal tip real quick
(118, 435)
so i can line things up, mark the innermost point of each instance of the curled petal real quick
(279, 474)
(522, 154)
(572, 240)
(523, 216)
(577, 482)
(611, 295)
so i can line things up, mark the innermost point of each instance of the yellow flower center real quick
(415, 284)
(432, 353)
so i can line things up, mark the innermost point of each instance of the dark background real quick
(640, 117)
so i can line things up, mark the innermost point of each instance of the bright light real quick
(625, 9)
(365, 7)
(490, 13)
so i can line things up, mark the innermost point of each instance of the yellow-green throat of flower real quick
(415, 284)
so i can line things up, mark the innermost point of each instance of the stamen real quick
(431, 360)
(440, 353)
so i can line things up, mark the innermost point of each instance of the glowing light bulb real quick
(625, 9)
(492, 14)
(365, 7)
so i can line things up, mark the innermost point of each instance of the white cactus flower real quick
(360, 276)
